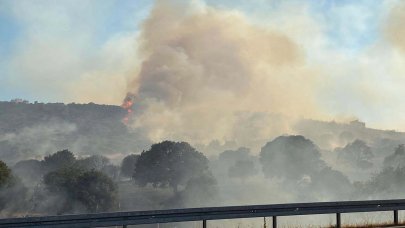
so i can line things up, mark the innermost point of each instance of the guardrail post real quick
(396, 217)
(204, 223)
(274, 221)
(338, 222)
(124, 226)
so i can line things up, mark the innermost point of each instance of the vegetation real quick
(94, 162)
(357, 153)
(174, 174)
(284, 150)
(10, 186)
(199, 191)
(5, 175)
(128, 165)
(38, 129)
(91, 189)
(397, 159)
(58, 160)
(242, 169)
(383, 184)
(232, 156)
(18, 115)
(30, 171)
(169, 164)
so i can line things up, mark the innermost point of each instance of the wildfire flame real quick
(127, 105)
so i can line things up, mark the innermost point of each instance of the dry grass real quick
(368, 225)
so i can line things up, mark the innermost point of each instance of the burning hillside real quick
(128, 104)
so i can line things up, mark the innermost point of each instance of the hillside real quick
(30, 130)
(329, 135)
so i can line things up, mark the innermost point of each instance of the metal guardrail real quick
(208, 213)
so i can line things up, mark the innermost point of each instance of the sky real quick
(91, 50)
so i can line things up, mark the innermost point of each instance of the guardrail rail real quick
(208, 213)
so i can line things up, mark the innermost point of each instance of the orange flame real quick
(127, 105)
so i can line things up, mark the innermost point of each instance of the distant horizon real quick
(349, 121)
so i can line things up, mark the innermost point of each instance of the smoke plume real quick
(207, 72)
(394, 30)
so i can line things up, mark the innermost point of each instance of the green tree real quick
(389, 183)
(97, 191)
(199, 191)
(58, 160)
(128, 165)
(111, 171)
(96, 162)
(397, 159)
(357, 153)
(30, 171)
(12, 191)
(91, 189)
(5, 175)
(242, 169)
(291, 157)
(170, 164)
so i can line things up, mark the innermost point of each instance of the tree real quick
(232, 156)
(96, 191)
(242, 169)
(99, 163)
(12, 192)
(58, 160)
(96, 162)
(5, 175)
(169, 164)
(29, 171)
(92, 189)
(389, 183)
(397, 159)
(329, 183)
(128, 165)
(290, 157)
(199, 191)
(235, 163)
(356, 153)
(111, 171)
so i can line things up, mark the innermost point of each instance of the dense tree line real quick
(174, 174)
(63, 184)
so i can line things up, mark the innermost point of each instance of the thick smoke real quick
(394, 29)
(216, 71)
(208, 73)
